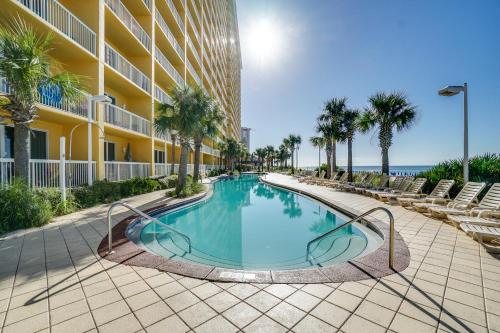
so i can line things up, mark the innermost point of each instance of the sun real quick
(265, 41)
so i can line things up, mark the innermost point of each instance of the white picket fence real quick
(162, 169)
(46, 173)
(116, 171)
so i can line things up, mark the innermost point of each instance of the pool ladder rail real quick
(357, 218)
(144, 215)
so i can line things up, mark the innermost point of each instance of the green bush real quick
(58, 206)
(22, 207)
(169, 181)
(483, 168)
(216, 172)
(189, 189)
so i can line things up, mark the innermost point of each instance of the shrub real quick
(169, 181)
(22, 207)
(58, 206)
(188, 190)
(483, 168)
(136, 186)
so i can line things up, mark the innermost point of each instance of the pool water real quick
(247, 224)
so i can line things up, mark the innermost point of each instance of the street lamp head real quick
(103, 99)
(450, 90)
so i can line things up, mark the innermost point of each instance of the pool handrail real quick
(144, 215)
(357, 218)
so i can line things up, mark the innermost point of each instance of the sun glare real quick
(265, 42)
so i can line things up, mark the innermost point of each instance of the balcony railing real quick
(124, 67)
(51, 96)
(163, 61)
(148, 4)
(162, 96)
(130, 22)
(193, 26)
(177, 17)
(117, 116)
(63, 20)
(116, 171)
(195, 52)
(193, 72)
(196, 13)
(170, 36)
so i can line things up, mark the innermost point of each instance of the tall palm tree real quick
(184, 116)
(269, 156)
(330, 122)
(261, 155)
(386, 113)
(318, 142)
(286, 144)
(293, 141)
(210, 117)
(350, 124)
(232, 151)
(29, 70)
(282, 155)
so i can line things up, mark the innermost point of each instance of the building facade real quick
(133, 51)
(245, 137)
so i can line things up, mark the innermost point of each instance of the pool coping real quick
(371, 265)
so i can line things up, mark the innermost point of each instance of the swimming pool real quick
(247, 224)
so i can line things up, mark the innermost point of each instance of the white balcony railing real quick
(130, 22)
(45, 173)
(193, 26)
(193, 72)
(163, 61)
(116, 171)
(124, 67)
(195, 52)
(63, 20)
(52, 98)
(125, 119)
(170, 36)
(196, 13)
(148, 4)
(162, 96)
(177, 17)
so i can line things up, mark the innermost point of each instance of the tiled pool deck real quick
(52, 279)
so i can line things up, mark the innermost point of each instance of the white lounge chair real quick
(484, 234)
(439, 193)
(464, 198)
(490, 202)
(405, 184)
(381, 184)
(415, 188)
(396, 184)
(491, 220)
(363, 183)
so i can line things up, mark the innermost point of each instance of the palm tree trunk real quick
(183, 164)
(349, 159)
(334, 156)
(293, 150)
(197, 155)
(21, 152)
(328, 150)
(172, 165)
(385, 160)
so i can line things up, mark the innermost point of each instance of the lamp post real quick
(451, 91)
(97, 99)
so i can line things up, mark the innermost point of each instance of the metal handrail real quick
(144, 215)
(357, 218)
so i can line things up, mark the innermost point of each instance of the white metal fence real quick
(63, 20)
(130, 22)
(163, 61)
(115, 171)
(46, 173)
(162, 169)
(168, 33)
(123, 66)
(126, 119)
(162, 96)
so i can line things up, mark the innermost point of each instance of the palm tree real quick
(318, 142)
(232, 151)
(293, 141)
(286, 144)
(282, 155)
(210, 117)
(329, 123)
(183, 115)
(350, 124)
(29, 70)
(269, 156)
(386, 112)
(261, 155)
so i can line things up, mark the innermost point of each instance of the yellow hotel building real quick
(133, 51)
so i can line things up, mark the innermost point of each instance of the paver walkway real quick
(51, 279)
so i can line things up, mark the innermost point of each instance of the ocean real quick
(394, 170)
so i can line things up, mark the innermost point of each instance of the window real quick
(38, 144)
(109, 151)
(159, 156)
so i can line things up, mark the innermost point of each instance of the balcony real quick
(148, 4)
(122, 118)
(178, 18)
(116, 61)
(195, 10)
(163, 61)
(51, 97)
(63, 20)
(193, 26)
(193, 72)
(162, 96)
(170, 36)
(193, 49)
(130, 22)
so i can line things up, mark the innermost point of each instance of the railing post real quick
(62, 167)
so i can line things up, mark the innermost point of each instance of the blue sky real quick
(332, 48)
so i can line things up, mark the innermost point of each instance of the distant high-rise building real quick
(245, 136)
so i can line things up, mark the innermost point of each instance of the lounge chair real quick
(360, 184)
(484, 234)
(317, 180)
(400, 183)
(326, 181)
(340, 182)
(380, 185)
(309, 177)
(489, 203)
(440, 192)
(491, 219)
(464, 198)
(415, 188)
